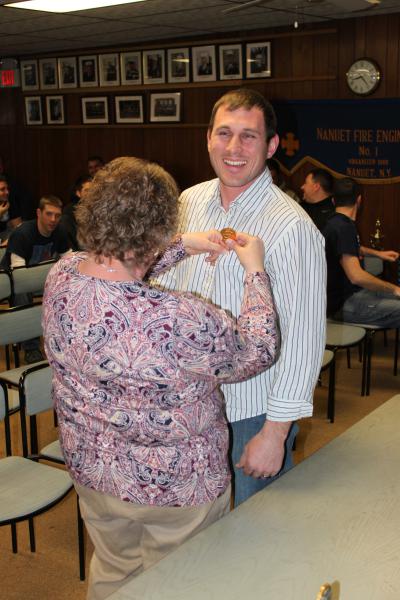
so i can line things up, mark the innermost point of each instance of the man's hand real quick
(4, 206)
(263, 455)
(389, 255)
(396, 291)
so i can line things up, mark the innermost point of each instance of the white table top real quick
(334, 517)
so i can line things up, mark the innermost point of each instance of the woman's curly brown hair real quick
(131, 206)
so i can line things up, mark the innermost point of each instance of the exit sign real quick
(9, 73)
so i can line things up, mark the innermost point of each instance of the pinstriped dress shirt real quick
(295, 262)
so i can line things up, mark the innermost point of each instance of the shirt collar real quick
(249, 199)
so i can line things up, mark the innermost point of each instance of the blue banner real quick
(354, 138)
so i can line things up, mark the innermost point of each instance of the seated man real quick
(317, 196)
(68, 220)
(354, 295)
(10, 214)
(40, 239)
(34, 242)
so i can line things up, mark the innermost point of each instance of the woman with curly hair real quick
(136, 371)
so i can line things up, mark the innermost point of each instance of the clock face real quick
(363, 76)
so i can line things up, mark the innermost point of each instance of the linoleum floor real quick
(52, 572)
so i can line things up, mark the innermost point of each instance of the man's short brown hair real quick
(51, 200)
(131, 206)
(247, 99)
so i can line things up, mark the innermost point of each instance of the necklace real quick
(108, 269)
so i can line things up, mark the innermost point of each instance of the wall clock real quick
(363, 76)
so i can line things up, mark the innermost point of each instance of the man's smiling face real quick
(238, 146)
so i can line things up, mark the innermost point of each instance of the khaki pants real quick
(128, 538)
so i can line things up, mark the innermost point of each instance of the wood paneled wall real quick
(306, 63)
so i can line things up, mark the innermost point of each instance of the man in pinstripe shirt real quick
(262, 410)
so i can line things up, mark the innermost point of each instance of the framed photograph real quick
(67, 72)
(165, 107)
(131, 68)
(129, 109)
(48, 73)
(109, 69)
(95, 110)
(88, 75)
(29, 75)
(154, 66)
(55, 110)
(258, 59)
(231, 62)
(178, 65)
(33, 110)
(203, 63)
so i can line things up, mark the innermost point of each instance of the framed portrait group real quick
(173, 65)
(164, 107)
(54, 110)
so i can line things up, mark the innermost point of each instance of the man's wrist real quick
(279, 429)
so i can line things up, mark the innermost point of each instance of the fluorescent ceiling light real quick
(63, 6)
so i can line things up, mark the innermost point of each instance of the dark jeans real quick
(241, 432)
(371, 308)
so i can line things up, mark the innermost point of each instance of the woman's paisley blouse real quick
(135, 380)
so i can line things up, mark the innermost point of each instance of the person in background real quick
(354, 295)
(94, 163)
(34, 242)
(40, 239)
(10, 214)
(262, 411)
(136, 371)
(68, 220)
(19, 197)
(317, 196)
(277, 178)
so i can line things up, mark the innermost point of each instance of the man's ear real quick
(273, 145)
(208, 139)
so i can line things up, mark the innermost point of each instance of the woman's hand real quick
(250, 251)
(210, 242)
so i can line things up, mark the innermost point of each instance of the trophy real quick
(376, 239)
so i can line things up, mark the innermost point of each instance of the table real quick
(334, 517)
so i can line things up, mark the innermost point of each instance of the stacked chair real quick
(28, 487)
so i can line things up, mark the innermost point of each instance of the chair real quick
(27, 488)
(328, 362)
(19, 324)
(35, 384)
(371, 330)
(30, 279)
(5, 286)
(344, 336)
(373, 265)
